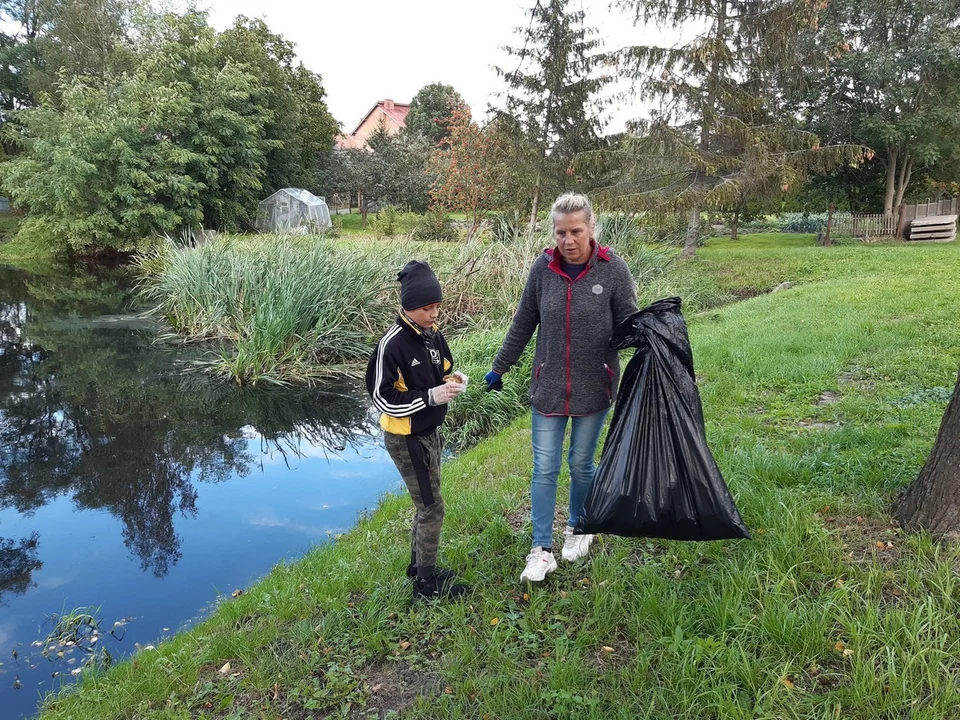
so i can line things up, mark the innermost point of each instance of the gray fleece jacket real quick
(574, 370)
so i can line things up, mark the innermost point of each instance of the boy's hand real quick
(442, 394)
(494, 381)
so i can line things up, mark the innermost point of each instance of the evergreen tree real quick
(553, 94)
(723, 133)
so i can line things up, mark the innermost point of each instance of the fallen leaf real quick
(448, 690)
(607, 649)
(495, 621)
(839, 646)
(404, 644)
(880, 544)
(526, 596)
(585, 581)
(848, 652)
(787, 681)
(838, 583)
(563, 593)
(225, 669)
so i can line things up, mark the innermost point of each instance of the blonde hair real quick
(571, 203)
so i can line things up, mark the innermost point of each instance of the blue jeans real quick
(548, 433)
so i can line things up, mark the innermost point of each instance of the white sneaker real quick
(540, 563)
(574, 546)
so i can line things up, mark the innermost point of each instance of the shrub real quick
(802, 222)
(386, 222)
(435, 226)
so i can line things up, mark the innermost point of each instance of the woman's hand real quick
(494, 381)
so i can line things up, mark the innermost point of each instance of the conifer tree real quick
(723, 131)
(553, 93)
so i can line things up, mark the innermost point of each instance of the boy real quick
(409, 378)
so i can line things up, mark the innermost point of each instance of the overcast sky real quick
(370, 50)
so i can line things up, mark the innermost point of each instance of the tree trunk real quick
(362, 207)
(932, 501)
(535, 206)
(735, 225)
(891, 186)
(903, 180)
(693, 234)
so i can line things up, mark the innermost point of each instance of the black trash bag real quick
(657, 477)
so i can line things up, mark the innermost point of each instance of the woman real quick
(576, 294)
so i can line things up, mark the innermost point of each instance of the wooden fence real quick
(879, 225)
(944, 206)
(864, 226)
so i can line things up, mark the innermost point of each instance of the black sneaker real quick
(440, 572)
(436, 587)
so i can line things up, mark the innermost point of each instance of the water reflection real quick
(92, 410)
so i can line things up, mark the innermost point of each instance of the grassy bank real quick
(821, 401)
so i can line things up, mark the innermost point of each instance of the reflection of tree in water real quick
(96, 412)
(18, 560)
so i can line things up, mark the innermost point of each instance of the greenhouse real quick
(292, 209)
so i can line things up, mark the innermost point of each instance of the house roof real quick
(398, 114)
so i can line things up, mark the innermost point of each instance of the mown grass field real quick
(821, 401)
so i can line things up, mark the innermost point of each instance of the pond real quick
(141, 492)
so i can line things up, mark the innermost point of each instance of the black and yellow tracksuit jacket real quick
(401, 371)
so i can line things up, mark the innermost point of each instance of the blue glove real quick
(494, 381)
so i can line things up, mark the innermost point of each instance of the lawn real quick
(821, 401)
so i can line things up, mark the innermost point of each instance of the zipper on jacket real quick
(566, 404)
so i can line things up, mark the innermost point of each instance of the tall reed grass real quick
(290, 309)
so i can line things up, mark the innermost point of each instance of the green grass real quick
(829, 612)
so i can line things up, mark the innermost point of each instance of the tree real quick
(299, 126)
(466, 173)
(722, 133)
(553, 93)
(932, 500)
(176, 143)
(892, 84)
(431, 110)
(389, 169)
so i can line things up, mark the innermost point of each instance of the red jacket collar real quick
(600, 252)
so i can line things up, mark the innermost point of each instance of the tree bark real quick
(693, 234)
(535, 206)
(906, 170)
(932, 501)
(735, 225)
(893, 155)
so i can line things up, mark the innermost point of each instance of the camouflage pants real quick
(418, 459)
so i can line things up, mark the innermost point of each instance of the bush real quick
(802, 222)
(435, 226)
(386, 222)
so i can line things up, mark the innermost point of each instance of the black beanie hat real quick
(418, 286)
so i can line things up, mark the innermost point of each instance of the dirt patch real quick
(867, 539)
(393, 687)
(519, 516)
(816, 425)
(618, 654)
(828, 397)
(859, 377)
